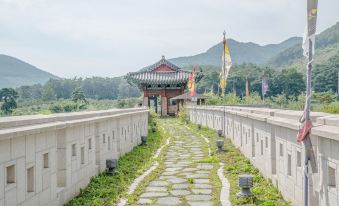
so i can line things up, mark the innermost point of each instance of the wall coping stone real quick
(326, 131)
(16, 121)
(24, 130)
(284, 122)
(242, 114)
(258, 117)
(332, 120)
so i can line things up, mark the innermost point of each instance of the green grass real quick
(106, 190)
(235, 164)
(265, 193)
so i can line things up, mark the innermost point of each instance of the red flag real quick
(304, 131)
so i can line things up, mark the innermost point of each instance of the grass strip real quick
(106, 190)
(265, 193)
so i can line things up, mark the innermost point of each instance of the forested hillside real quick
(327, 48)
(14, 73)
(241, 53)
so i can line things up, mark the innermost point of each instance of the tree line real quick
(93, 88)
(288, 82)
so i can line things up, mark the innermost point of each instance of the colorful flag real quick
(191, 83)
(310, 29)
(247, 89)
(226, 66)
(264, 85)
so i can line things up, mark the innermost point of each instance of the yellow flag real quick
(226, 66)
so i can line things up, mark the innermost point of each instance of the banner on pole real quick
(310, 29)
(226, 66)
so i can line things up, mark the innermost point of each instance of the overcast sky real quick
(112, 37)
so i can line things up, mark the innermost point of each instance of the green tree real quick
(8, 96)
(325, 78)
(78, 95)
(48, 94)
(289, 82)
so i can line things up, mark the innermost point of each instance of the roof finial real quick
(163, 57)
(224, 35)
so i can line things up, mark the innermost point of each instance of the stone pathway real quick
(184, 181)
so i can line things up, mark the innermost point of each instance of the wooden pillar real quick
(163, 105)
(146, 102)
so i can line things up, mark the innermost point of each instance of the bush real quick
(70, 106)
(324, 97)
(213, 99)
(152, 115)
(252, 99)
(64, 106)
(232, 99)
(331, 108)
(56, 108)
(183, 115)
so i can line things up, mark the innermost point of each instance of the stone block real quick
(5, 150)
(38, 172)
(18, 147)
(51, 139)
(325, 147)
(45, 197)
(2, 182)
(21, 175)
(53, 186)
(11, 197)
(30, 148)
(46, 180)
(40, 142)
(32, 201)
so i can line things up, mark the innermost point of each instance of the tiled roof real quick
(149, 76)
(163, 61)
(158, 77)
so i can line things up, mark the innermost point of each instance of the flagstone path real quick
(184, 181)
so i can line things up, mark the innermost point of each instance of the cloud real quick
(111, 37)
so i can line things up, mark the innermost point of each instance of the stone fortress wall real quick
(267, 137)
(47, 159)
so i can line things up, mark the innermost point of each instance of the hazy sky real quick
(112, 37)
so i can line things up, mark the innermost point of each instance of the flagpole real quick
(307, 117)
(224, 90)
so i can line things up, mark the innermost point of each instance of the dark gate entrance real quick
(153, 103)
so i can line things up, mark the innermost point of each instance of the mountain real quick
(15, 73)
(241, 53)
(326, 45)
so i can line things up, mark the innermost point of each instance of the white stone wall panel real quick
(35, 136)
